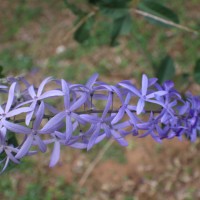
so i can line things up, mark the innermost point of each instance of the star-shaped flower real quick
(32, 135)
(144, 94)
(38, 97)
(68, 114)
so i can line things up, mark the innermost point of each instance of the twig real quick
(86, 112)
(78, 25)
(165, 21)
(94, 163)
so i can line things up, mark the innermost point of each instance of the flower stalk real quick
(90, 113)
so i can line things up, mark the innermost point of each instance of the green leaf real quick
(11, 138)
(120, 25)
(93, 1)
(74, 8)
(127, 25)
(166, 69)
(114, 13)
(113, 8)
(111, 3)
(197, 71)
(159, 10)
(1, 72)
(83, 33)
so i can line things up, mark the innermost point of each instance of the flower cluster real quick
(87, 114)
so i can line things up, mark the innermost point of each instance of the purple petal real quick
(49, 141)
(152, 81)
(78, 145)
(140, 106)
(11, 157)
(65, 89)
(39, 116)
(29, 117)
(93, 138)
(30, 114)
(25, 147)
(117, 91)
(144, 84)
(144, 126)
(183, 109)
(24, 103)
(193, 136)
(52, 93)
(158, 93)
(31, 91)
(114, 89)
(79, 102)
(16, 128)
(5, 166)
(119, 115)
(100, 138)
(132, 117)
(78, 118)
(41, 87)
(119, 138)
(107, 130)
(92, 80)
(69, 128)
(51, 108)
(172, 104)
(121, 125)
(18, 111)
(168, 85)
(156, 102)
(131, 107)
(108, 105)
(128, 98)
(55, 154)
(90, 118)
(40, 144)
(11, 95)
(51, 124)
(3, 132)
(131, 88)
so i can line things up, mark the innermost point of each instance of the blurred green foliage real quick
(118, 16)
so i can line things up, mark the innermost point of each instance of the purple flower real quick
(32, 136)
(68, 113)
(81, 123)
(103, 124)
(125, 108)
(144, 94)
(7, 111)
(38, 97)
(58, 139)
(151, 127)
(8, 150)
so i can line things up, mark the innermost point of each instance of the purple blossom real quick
(32, 136)
(6, 110)
(78, 122)
(68, 113)
(38, 97)
(9, 150)
(144, 94)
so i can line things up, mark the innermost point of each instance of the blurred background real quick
(119, 40)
